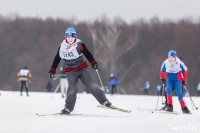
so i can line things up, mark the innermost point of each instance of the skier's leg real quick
(169, 95)
(72, 90)
(178, 88)
(169, 91)
(22, 84)
(26, 86)
(115, 89)
(112, 92)
(95, 90)
(165, 106)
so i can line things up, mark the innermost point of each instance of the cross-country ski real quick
(115, 108)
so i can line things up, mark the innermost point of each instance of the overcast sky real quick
(85, 10)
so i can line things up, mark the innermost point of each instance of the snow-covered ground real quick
(18, 115)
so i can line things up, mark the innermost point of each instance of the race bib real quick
(24, 73)
(68, 52)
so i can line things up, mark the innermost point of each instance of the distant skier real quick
(174, 68)
(24, 76)
(146, 87)
(71, 51)
(113, 82)
(198, 89)
(158, 89)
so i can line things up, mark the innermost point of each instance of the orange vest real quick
(24, 74)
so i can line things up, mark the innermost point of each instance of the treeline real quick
(133, 52)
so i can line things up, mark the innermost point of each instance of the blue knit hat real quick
(172, 53)
(70, 32)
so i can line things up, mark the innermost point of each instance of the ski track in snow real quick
(18, 115)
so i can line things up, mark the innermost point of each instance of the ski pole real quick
(163, 90)
(159, 95)
(190, 96)
(100, 79)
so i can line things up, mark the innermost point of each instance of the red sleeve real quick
(162, 74)
(52, 69)
(81, 48)
(185, 74)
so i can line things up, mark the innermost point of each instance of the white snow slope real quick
(18, 115)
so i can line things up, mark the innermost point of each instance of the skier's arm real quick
(162, 71)
(56, 61)
(18, 74)
(87, 54)
(29, 75)
(184, 70)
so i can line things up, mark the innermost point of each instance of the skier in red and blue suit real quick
(174, 69)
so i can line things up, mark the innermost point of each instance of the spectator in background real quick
(198, 89)
(146, 87)
(113, 82)
(158, 89)
(49, 86)
(24, 76)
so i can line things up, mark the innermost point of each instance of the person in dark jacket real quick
(71, 51)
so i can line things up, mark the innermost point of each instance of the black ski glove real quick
(163, 80)
(95, 66)
(184, 82)
(52, 73)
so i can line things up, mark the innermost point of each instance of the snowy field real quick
(18, 115)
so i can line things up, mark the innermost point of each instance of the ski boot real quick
(65, 111)
(107, 104)
(164, 107)
(186, 110)
(169, 108)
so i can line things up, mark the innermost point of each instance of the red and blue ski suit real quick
(175, 73)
